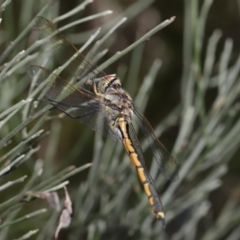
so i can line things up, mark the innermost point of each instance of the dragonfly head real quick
(109, 83)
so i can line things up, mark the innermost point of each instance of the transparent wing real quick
(76, 102)
(167, 164)
(62, 50)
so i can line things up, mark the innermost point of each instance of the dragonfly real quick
(99, 101)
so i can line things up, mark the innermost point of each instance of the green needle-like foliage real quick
(43, 151)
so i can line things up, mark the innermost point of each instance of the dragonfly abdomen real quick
(141, 169)
(153, 197)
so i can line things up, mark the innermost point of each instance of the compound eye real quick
(102, 87)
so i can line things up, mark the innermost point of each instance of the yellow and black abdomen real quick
(133, 148)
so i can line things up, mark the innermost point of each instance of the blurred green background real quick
(184, 78)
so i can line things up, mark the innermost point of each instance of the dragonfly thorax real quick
(116, 101)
